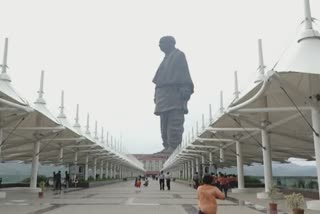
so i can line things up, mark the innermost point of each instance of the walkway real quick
(122, 198)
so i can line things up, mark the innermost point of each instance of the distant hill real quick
(16, 172)
(289, 169)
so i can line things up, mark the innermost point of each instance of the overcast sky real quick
(104, 54)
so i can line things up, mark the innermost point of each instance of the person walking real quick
(161, 180)
(168, 180)
(58, 181)
(138, 184)
(67, 179)
(54, 181)
(224, 185)
(196, 180)
(207, 195)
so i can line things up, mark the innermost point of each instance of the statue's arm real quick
(186, 89)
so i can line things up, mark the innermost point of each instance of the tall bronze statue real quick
(172, 93)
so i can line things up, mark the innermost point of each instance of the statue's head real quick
(167, 44)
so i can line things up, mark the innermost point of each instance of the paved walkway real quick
(123, 198)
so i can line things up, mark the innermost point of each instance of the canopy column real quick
(315, 113)
(266, 149)
(111, 170)
(240, 165)
(267, 164)
(239, 154)
(107, 169)
(197, 166)
(75, 159)
(35, 165)
(210, 162)
(60, 154)
(1, 139)
(189, 171)
(86, 171)
(192, 169)
(202, 166)
(101, 169)
(94, 168)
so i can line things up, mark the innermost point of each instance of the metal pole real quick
(221, 102)
(221, 154)
(107, 169)
(94, 168)
(203, 126)
(189, 170)
(210, 162)
(266, 150)
(61, 154)
(267, 162)
(76, 158)
(316, 125)
(111, 172)
(307, 11)
(197, 166)
(236, 86)
(192, 168)
(1, 139)
(86, 171)
(210, 115)
(35, 165)
(101, 169)
(240, 165)
(203, 166)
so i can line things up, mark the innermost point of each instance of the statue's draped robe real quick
(173, 89)
(171, 77)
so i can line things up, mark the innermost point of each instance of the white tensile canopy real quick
(276, 119)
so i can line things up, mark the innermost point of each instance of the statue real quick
(172, 93)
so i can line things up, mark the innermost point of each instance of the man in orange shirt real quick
(207, 195)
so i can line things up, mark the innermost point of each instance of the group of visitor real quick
(222, 181)
(211, 189)
(57, 184)
(165, 178)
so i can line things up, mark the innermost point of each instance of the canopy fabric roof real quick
(281, 103)
(22, 127)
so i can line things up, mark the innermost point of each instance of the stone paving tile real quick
(121, 198)
(113, 209)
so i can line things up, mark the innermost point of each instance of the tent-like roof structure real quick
(22, 125)
(278, 101)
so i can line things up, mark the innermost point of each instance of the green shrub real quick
(312, 185)
(40, 178)
(251, 180)
(90, 178)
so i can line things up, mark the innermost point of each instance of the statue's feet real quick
(167, 150)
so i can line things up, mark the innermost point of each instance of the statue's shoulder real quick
(179, 54)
